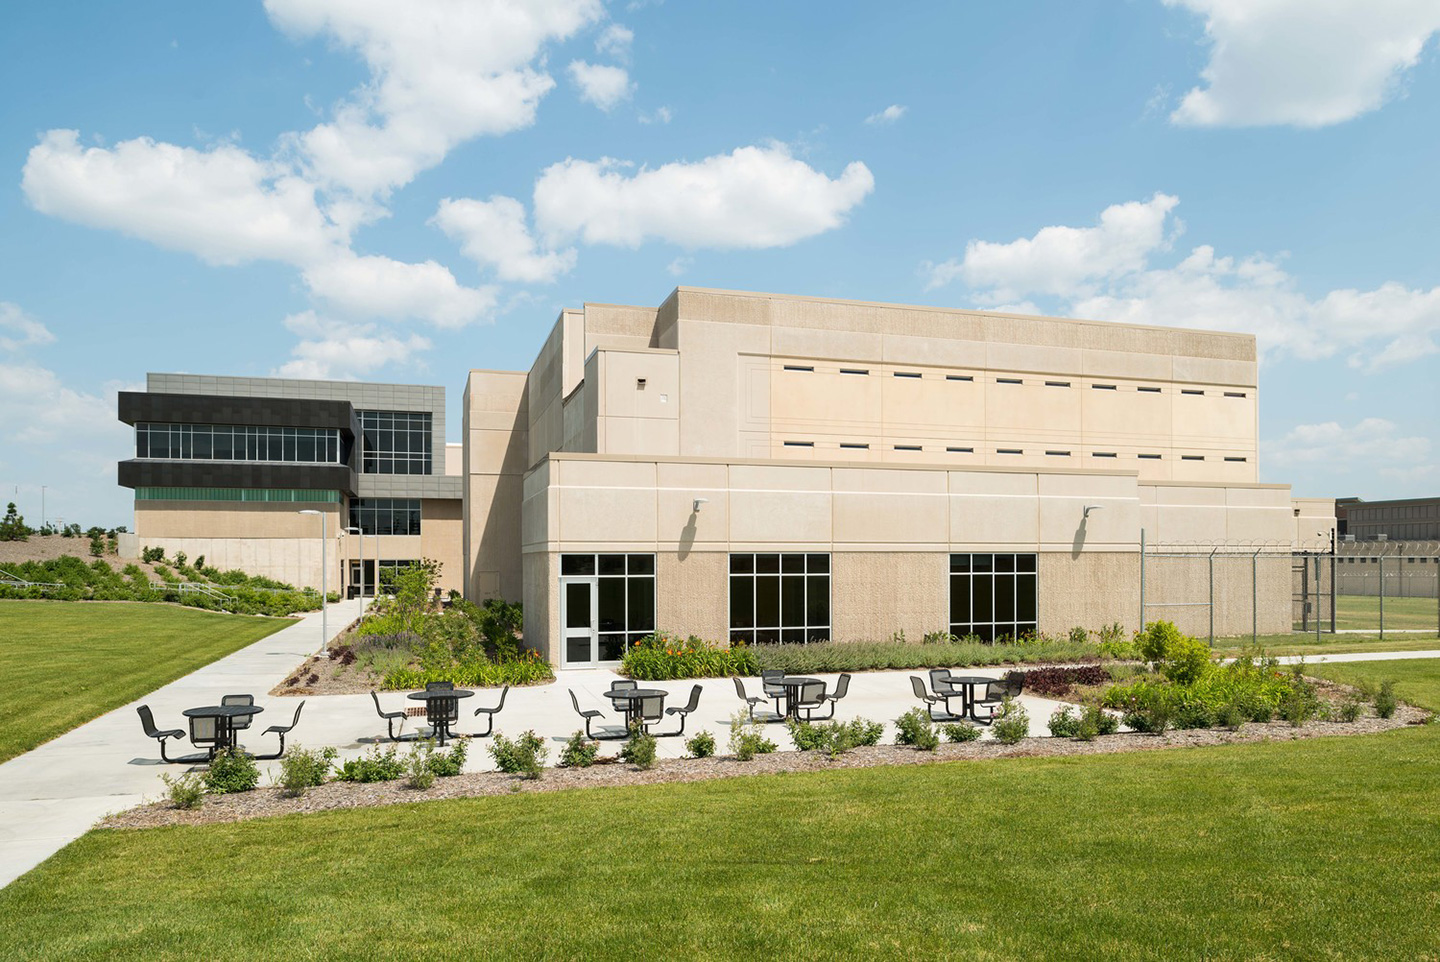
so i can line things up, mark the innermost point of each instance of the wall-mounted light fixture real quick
(1092, 507)
(695, 508)
(639, 384)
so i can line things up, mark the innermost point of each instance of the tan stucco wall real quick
(222, 519)
(1089, 591)
(692, 593)
(495, 444)
(1186, 581)
(873, 594)
(442, 537)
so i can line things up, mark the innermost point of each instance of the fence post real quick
(1381, 561)
(1255, 599)
(1142, 579)
(1212, 596)
(1332, 589)
(1304, 592)
(1318, 595)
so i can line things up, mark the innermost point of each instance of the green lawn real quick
(1300, 643)
(1322, 849)
(1417, 680)
(1363, 612)
(102, 655)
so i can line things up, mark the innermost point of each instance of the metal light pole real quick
(324, 587)
(42, 508)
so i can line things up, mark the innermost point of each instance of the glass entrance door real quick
(579, 637)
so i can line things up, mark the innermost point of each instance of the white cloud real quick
(222, 204)
(1369, 444)
(373, 286)
(889, 115)
(679, 266)
(753, 197)
(336, 350)
(660, 115)
(40, 409)
(1061, 260)
(1106, 272)
(442, 73)
(18, 329)
(604, 86)
(1307, 63)
(615, 41)
(493, 233)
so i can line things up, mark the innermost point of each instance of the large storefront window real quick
(992, 596)
(237, 442)
(779, 597)
(385, 515)
(396, 442)
(623, 604)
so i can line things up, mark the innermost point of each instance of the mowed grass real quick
(1322, 849)
(1417, 680)
(1300, 643)
(67, 662)
(1362, 612)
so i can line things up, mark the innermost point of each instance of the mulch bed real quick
(265, 802)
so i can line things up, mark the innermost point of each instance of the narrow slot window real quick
(1148, 390)
(1234, 393)
(1192, 457)
(1058, 454)
(1057, 383)
(1192, 392)
(1148, 457)
(800, 367)
(799, 444)
(1240, 460)
(907, 373)
(908, 447)
(1103, 454)
(959, 377)
(855, 447)
(1008, 380)
(1010, 451)
(854, 370)
(961, 450)
(1102, 387)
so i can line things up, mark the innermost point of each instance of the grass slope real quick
(101, 655)
(1417, 680)
(1309, 850)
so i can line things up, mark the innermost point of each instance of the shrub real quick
(524, 756)
(97, 546)
(451, 763)
(1079, 635)
(1299, 703)
(13, 526)
(701, 745)
(1064, 723)
(579, 752)
(1350, 709)
(1011, 724)
(1154, 643)
(184, 791)
(149, 554)
(663, 656)
(1186, 659)
(821, 657)
(1058, 682)
(639, 749)
(747, 738)
(418, 765)
(376, 765)
(835, 738)
(1385, 700)
(962, 731)
(1233, 716)
(915, 728)
(231, 771)
(303, 769)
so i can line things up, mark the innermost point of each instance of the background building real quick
(1410, 519)
(224, 465)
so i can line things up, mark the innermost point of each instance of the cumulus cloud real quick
(615, 41)
(493, 234)
(1306, 63)
(332, 349)
(1106, 272)
(1369, 444)
(604, 86)
(660, 115)
(444, 72)
(889, 115)
(374, 286)
(221, 204)
(41, 409)
(19, 330)
(1061, 260)
(753, 197)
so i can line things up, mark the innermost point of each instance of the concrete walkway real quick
(55, 793)
(1357, 656)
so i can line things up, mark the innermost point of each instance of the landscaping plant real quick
(184, 791)
(231, 771)
(700, 745)
(747, 738)
(834, 738)
(523, 756)
(303, 769)
(664, 657)
(579, 751)
(639, 748)
(1385, 700)
(961, 731)
(376, 765)
(1011, 724)
(418, 766)
(915, 728)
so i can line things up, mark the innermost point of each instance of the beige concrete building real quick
(763, 468)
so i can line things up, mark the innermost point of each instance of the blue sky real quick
(338, 188)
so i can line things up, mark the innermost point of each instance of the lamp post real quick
(324, 587)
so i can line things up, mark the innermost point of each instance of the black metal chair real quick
(439, 686)
(684, 711)
(809, 697)
(491, 713)
(1010, 686)
(390, 718)
(618, 703)
(918, 686)
(147, 721)
(944, 687)
(240, 722)
(768, 679)
(842, 688)
(651, 709)
(282, 731)
(205, 733)
(750, 700)
(589, 717)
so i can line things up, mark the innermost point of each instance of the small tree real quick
(13, 527)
